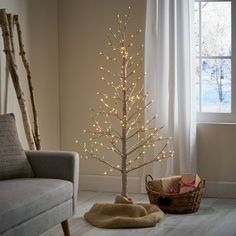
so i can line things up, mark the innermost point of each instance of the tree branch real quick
(15, 78)
(140, 144)
(30, 84)
(96, 156)
(158, 157)
(139, 110)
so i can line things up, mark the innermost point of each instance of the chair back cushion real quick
(13, 161)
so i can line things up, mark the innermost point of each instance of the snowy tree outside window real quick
(213, 32)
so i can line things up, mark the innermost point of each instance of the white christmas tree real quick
(118, 124)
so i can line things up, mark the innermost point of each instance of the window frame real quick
(216, 117)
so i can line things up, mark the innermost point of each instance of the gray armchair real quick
(30, 206)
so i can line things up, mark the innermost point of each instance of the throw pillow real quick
(13, 161)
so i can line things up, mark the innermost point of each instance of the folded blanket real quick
(123, 214)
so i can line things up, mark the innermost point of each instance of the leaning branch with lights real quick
(125, 106)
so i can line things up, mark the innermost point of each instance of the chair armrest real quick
(56, 165)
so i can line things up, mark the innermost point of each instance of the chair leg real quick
(65, 227)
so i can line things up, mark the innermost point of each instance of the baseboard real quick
(220, 189)
(108, 183)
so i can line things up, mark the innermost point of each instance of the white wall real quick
(217, 158)
(45, 68)
(38, 21)
(83, 26)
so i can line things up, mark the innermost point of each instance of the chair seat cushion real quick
(22, 199)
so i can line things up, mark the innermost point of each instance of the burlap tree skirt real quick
(123, 213)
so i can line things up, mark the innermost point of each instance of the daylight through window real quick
(213, 35)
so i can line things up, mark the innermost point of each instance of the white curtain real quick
(169, 57)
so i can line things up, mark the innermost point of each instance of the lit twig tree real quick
(118, 125)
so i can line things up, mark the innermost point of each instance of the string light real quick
(122, 109)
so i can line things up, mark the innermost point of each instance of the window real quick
(215, 80)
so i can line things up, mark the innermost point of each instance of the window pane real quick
(216, 28)
(216, 85)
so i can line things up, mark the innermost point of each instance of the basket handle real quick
(146, 178)
(202, 183)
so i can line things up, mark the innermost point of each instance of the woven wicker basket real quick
(175, 203)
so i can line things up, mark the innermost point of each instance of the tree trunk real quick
(124, 183)
(124, 127)
(15, 78)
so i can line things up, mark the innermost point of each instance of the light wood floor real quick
(216, 217)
